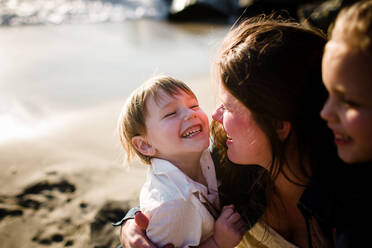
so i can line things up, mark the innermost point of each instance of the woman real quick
(271, 92)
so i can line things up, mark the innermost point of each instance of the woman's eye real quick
(223, 108)
(169, 114)
(195, 106)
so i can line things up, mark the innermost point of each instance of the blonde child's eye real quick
(195, 106)
(169, 114)
(349, 103)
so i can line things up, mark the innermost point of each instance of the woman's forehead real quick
(225, 96)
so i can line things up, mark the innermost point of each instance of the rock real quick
(199, 10)
(322, 14)
(228, 11)
(102, 233)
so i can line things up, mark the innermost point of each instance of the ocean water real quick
(49, 71)
(27, 12)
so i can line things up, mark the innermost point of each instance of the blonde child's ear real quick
(283, 129)
(141, 144)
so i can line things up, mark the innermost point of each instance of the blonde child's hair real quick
(354, 26)
(132, 119)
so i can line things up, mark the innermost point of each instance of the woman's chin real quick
(241, 160)
(233, 158)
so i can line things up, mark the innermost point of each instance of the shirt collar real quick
(183, 183)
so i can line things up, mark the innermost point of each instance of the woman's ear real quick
(283, 129)
(141, 144)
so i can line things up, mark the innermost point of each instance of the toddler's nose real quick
(190, 115)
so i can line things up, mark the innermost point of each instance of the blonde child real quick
(347, 75)
(164, 126)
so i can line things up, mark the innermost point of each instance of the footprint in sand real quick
(53, 233)
(9, 209)
(47, 194)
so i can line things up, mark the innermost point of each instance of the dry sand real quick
(55, 185)
(62, 177)
(62, 188)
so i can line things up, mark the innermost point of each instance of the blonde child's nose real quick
(190, 115)
(327, 112)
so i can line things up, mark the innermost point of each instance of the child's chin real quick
(348, 157)
(203, 146)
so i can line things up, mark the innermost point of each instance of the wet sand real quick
(61, 90)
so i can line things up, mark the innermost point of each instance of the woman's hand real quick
(132, 232)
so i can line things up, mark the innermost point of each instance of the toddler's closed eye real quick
(169, 114)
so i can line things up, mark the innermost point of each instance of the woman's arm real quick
(132, 232)
(176, 222)
(129, 215)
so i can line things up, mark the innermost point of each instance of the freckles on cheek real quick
(255, 140)
(248, 134)
(235, 125)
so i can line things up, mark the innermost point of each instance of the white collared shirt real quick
(169, 199)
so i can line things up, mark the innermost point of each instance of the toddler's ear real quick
(141, 144)
(283, 128)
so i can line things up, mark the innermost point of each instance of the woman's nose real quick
(217, 115)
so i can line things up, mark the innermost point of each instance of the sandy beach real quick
(61, 90)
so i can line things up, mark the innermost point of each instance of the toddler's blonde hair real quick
(132, 119)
